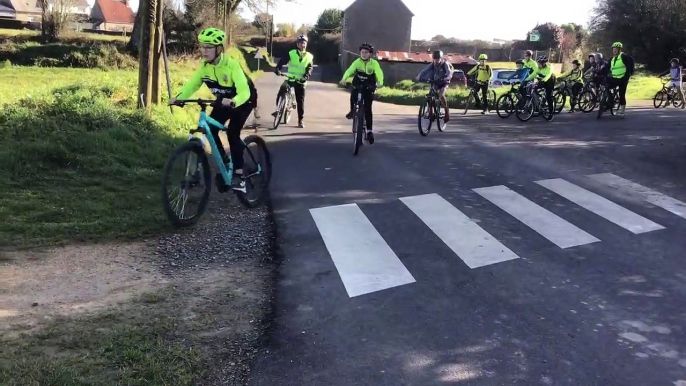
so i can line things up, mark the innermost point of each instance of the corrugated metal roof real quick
(422, 57)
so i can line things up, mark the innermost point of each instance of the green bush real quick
(88, 55)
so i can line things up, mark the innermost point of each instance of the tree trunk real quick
(146, 53)
(133, 45)
(157, 44)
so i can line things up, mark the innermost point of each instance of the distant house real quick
(20, 10)
(75, 7)
(112, 15)
(386, 24)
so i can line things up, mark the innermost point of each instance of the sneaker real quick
(237, 183)
(370, 137)
(301, 125)
(349, 115)
(275, 113)
(257, 113)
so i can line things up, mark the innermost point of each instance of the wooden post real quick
(156, 94)
(166, 67)
(146, 53)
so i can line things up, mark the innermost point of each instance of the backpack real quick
(450, 67)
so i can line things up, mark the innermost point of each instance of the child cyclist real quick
(483, 77)
(225, 78)
(576, 76)
(675, 72)
(366, 71)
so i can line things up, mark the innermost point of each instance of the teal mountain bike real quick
(197, 176)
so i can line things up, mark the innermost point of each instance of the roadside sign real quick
(261, 52)
(534, 36)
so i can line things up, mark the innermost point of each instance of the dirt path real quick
(185, 309)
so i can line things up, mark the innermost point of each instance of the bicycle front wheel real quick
(279, 112)
(257, 171)
(658, 99)
(196, 177)
(424, 117)
(358, 130)
(504, 106)
(468, 102)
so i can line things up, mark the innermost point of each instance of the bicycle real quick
(507, 102)
(534, 104)
(359, 124)
(588, 98)
(670, 94)
(473, 97)
(560, 94)
(286, 103)
(608, 99)
(431, 109)
(197, 169)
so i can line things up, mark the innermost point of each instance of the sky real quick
(468, 20)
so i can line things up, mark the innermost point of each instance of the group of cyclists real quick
(237, 96)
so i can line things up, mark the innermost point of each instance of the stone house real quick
(398, 66)
(112, 15)
(26, 11)
(386, 24)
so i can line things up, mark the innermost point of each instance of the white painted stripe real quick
(656, 198)
(470, 242)
(363, 259)
(547, 224)
(600, 206)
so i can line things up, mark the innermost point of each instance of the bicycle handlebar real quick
(201, 102)
(291, 78)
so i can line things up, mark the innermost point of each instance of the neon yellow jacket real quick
(573, 75)
(368, 72)
(226, 79)
(485, 72)
(541, 74)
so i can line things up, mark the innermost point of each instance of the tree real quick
(551, 36)
(652, 30)
(304, 29)
(285, 29)
(55, 15)
(439, 39)
(329, 21)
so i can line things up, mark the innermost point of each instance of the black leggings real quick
(368, 97)
(484, 93)
(237, 118)
(622, 83)
(548, 87)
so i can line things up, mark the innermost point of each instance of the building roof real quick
(114, 11)
(423, 57)
(25, 6)
(399, 1)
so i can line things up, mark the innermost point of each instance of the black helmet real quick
(674, 60)
(367, 46)
(437, 55)
(576, 62)
(542, 59)
(519, 61)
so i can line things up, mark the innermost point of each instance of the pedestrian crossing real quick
(366, 263)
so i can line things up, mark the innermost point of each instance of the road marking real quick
(363, 259)
(656, 198)
(547, 224)
(470, 242)
(600, 206)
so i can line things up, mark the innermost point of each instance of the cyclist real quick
(439, 70)
(225, 78)
(521, 73)
(575, 76)
(675, 71)
(621, 68)
(529, 62)
(300, 64)
(484, 73)
(366, 71)
(544, 79)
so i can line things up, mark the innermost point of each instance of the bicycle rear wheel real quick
(560, 98)
(526, 111)
(257, 171)
(587, 101)
(505, 106)
(196, 168)
(659, 99)
(424, 110)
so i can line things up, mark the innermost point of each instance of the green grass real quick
(133, 346)
(69, 35)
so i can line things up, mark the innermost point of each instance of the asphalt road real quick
(494, 253)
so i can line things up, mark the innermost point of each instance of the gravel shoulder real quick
(188, 308)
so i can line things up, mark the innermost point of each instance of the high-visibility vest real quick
(296, 65)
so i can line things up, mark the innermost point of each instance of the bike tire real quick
(491, 100)
(548, 114)
(520, 113)
(659, 99)
(501, 108)
(279, 112)
(266, 173)
(614, 109)
(194, 146)
(440, 121)
(559, 98)
(422, 111)
(589, 102)
(678, 100)
(601, 105)
(288, 111)
(359, 132)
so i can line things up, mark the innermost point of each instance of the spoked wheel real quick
(587, 101)
(548, 113)
(659, 99)
(526, 111)
(469, 102)
(560, 98)
(257, 171)
(191, 163)
(505, 106)
(279, 112)
(358, 131)
(602, 104)
(614, 109)
(678, 100)
(440, 116)
(288, 111)
(424, 118)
